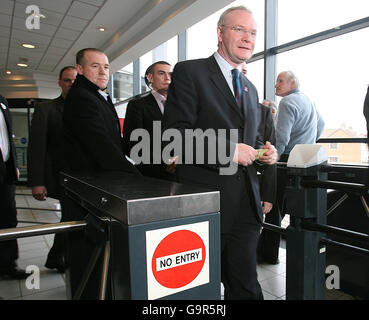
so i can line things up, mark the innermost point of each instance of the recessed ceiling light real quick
(28, 45)
(23, 65)
(8, 72)
(102, 29)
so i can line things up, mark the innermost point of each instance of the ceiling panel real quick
(4, 42)
(51, 17)
(6, 6)
(5, 32)
(5, 20)
(29, 36)
(70, 25)
(82, 10)
(45, 29)
(61, 43)
(74, 23)
(67, 34)
(97, 3)
(60, 6)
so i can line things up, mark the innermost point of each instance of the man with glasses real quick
(212, 94)
(46, 158)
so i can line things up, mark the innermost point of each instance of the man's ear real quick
(149, 77)
(219, 33)
(79, 68)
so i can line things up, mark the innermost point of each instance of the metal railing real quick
(69, 226)
(304, 222)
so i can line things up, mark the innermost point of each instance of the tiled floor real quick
(33, 251)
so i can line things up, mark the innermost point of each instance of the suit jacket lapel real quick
(250, 113)
(220, 82)
(154, 107)
(111, 107)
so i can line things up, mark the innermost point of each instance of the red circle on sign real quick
(182, 244)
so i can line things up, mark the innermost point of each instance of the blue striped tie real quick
(237, 86)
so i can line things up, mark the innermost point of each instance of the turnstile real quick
(148, 238)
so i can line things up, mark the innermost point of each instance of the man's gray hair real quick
(290, 76)
(224, 15)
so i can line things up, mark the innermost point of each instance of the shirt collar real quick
(293, 91)
(224, 65)
(104, 94)
(158, 96)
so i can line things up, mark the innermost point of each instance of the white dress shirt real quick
(226, 69)
(104, 94)
(160, 99)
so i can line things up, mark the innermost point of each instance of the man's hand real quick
(39, 193)
(271, 156)
(267, 206)
(172, 165)
(244, 154)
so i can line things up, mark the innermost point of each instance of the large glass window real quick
(145, 61)
(172, 50)
(123, 83)
(334, 74)
(300, 18)
(255, 73)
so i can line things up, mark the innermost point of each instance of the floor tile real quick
(279, 268)
(264, 273)
(268, 296)
(9, 288)
(48, 280)
(275, 286)
(53, 294)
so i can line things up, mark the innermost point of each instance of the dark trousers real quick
(8, 219)
(57, 251)
(238, 256)
(268, 247)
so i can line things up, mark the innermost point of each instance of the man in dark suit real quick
(268, 192)
(8, 212)
(46, 157)
(210, 94)
(143, 111)
(91, 126)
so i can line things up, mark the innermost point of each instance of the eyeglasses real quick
(241, 31)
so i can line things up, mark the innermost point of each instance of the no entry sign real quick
(177, 259)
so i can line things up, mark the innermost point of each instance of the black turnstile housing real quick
(164, 237)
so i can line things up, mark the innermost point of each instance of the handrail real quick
(348, 234)
(29, 231)
(38, 209)
(356, 188)
(342, 140)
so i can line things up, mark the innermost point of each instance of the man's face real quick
(67, 78)
(95, 67)
(283, 87)
(237, 37)
(160, 77)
